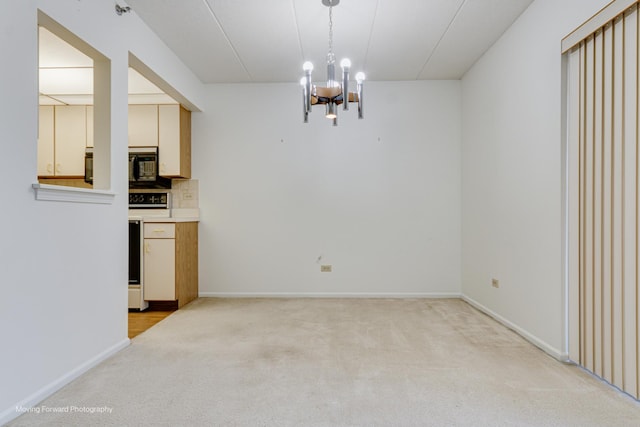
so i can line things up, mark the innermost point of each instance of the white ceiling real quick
(66, 76)
(242, 41)
(227, 41)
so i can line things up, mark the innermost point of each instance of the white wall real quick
(512, 146)
(63, 268)
(378, 199)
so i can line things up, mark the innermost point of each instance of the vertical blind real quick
(603, 182)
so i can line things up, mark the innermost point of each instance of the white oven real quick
(136, 294)
(144, 204)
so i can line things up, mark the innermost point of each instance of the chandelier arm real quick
(307, 88)
(345, 88)
(305, 101)
(359, 89)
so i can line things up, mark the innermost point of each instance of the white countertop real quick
(171, 219)
(165, 215)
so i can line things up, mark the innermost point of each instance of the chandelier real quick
(335, 93)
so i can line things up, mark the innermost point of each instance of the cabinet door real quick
(159, 230)
(169, 139)
(70, 139)
(143, 125)
(159, 270)
(174, 141)
(89, 125)
(45, 140)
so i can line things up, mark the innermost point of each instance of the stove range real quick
(150, 204)
(149, 200)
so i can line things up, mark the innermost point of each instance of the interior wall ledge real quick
(58, 193)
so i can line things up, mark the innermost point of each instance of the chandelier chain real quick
(331, 31)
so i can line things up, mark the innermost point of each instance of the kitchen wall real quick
(185, 194)
(512, 169)
(63, 266)
(378, 199)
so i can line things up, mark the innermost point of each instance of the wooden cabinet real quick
(89, 125)
(143, 125)
(171, 262)
(65, 131)
(45, 140)
(70, 139)
(62, 138)
(159, 269)
(167, 127)
(174, 141)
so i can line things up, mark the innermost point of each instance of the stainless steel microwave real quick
(143, 168)
(143, 164)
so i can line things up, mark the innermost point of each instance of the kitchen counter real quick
(162, 215)
(170, 257)
(170, 219)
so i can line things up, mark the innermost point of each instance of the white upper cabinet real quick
(62, 138)
(65, 131)
(143, 125)
(174, 146)
(70, 139)
(45, 140)
(89, 125)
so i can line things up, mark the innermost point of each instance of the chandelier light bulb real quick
(307, 66)
(360, 77)
(303, 81)
(345, 63)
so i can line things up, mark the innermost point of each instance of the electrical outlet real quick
(495, 283)
(325, 268)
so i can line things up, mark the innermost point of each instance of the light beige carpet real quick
(334, 362)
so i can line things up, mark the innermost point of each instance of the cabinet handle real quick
(158, 230)
(49, 167)
(146, 248)
(57, 167)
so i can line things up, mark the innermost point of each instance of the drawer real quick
(159, 230)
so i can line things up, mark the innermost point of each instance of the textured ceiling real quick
(241, 41)
(66, 76)
(244, 41)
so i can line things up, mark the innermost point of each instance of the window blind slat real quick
(630, 114)
(607, 136)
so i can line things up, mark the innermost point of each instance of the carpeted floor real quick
(333, 362)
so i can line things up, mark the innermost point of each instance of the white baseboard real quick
(328, 295)
(542, 345)
(46, 391)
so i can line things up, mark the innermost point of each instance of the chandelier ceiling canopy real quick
(335, 92)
